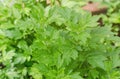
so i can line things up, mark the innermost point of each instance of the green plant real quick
(55, 42)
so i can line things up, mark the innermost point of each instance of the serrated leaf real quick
(97, 61)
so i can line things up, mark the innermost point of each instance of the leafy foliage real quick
(40, 41)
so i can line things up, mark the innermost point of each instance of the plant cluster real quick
(40, 41)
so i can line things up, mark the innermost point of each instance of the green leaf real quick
(13, 34)
(8, 55)
(97, 61)
(16, 13)
(23, 45)
(76, 76)
(35, 73)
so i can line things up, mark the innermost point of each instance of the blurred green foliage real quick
(58, 41)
